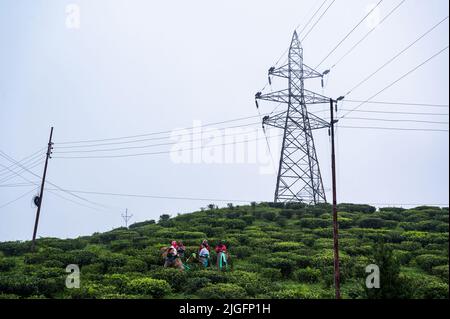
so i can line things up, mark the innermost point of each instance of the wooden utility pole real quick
(41, 193)
(335, 218)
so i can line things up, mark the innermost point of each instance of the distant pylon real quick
(126, 217)
(299, 178)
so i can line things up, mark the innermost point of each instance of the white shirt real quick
(204, 252)
(175, 250)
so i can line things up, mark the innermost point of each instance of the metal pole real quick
(335, 219)
(126, 217)
(49, 152)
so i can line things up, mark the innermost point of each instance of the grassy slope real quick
(278, 252)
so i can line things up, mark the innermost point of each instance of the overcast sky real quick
(106, 69)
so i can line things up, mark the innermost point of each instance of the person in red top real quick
(221, 248)
(222, 256)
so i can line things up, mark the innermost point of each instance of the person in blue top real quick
(203, 256)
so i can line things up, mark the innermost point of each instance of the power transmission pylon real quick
(299, 178)
(126, 217)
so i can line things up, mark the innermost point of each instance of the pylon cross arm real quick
(283, 72)
(279, 121)
(283, 96)
(316, 122)
(276, 96)
(310, 73)
(315, 98)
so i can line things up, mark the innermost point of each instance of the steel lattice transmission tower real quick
(299, 178)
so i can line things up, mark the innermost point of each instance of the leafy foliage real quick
(222, 291)
(277, 251)
(156, 288)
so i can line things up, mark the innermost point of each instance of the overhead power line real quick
(245, 141)
(287, 49)
(394, 112)
(348, 34)
(14, 173)
(398, 103)
(9, 158)
(309, 21)
(165, 152)
(18, 174)
(389, 112)
(393, 120)
(7, 169)
(158, 133)
(16, 185)
(18, 198)
(368, 33)
(394, 128)
(395, 56)
(320, 18)
(73, 201)
(160, 138)
(37, 186)
(151, 145)
(26, 159)
(161, 197)
(63, 145)
(396, 81)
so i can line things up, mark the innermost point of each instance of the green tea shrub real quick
(176, 278)
(155, 288)
(314, 223)
(302, 292)
(18, 284)
(271, 274)
(285, 265)
(15, 248)
(193, 284)
(410, 246)
(403, 257)
(6, 264)
(250, 281)
(369, 222)
(307, 275)
(287, 246)
(441, 272)
(428, 261)
(270, 215)
(222, 291)
(242, 251)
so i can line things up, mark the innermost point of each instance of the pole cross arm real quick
(283, 72)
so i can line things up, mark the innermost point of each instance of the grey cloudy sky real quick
(137, 67)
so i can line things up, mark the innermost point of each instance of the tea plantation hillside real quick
(277, 251)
